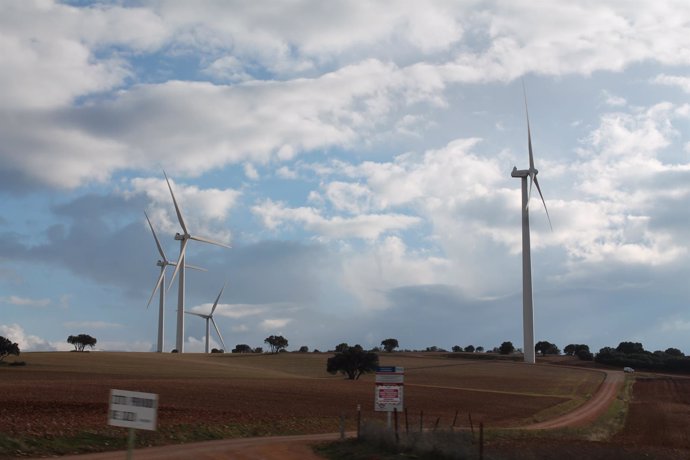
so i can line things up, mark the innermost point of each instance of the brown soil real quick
(53, 403)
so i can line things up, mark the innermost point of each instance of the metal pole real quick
(130, 444)
(179, 342)
(527, 305)
(388, 420)
(161, 312)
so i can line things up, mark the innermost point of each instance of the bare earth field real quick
(61, 399)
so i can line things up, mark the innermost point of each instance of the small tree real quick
(469, 349)
(506, 348)
(7, 347)
(341, 347)
(546, 348)
(276, 342)
(241, 348)
(630, 348)
(258, 350)
(389, 344)
(479, 349)
(81, 341)
(353, 362)
(456, 348)
(304, 349)
(674, 352)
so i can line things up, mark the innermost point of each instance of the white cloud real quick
(365, 226)
(274, 324)
(25, 301)
(251, 172)
(673, 80)
(26, 342)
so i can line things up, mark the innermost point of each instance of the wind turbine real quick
(208, 318)
(183, 238)
(160, 286)
(527, 304)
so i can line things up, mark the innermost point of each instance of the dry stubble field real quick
(62, 398)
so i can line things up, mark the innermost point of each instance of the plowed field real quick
(63, 395)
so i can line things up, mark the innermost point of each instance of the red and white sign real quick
(389, 389)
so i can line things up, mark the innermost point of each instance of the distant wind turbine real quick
(208, 318)
(160, 286)
(527, 303)
(183, 239)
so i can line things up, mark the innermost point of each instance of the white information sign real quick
(131, 409)
(389, 389)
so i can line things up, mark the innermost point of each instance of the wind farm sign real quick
(131, 409)
(389, 389)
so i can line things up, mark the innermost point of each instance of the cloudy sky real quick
(357, 157)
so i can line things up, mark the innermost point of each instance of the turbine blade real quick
(536, 182)
(218, 332)
(196, 314)
(177, 208)
(207, 240)
(194, 267)
(177, 267)
(215, 304)
(158, 284)
(529, 133)
(158, 244)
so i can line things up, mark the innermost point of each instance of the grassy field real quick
(57, 403)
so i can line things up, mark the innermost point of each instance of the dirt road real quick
(266, 448)
(589, 411)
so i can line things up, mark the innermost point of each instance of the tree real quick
(630, 348)
(456, 348)
(258, 350)
(579, 350)
(389, 344)
(341, 347)
(276, 342)
(7, 347)
(353, 362)
(469, 349)
(304, 349)
(674, 352)
(81, 341)
(506, 348)
(546, 348)
(479, 349)
(241, 348)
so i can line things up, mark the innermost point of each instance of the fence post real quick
(455, 419)
(438, 419)
(359, 420)
(395, 416)
(421, 421)
(481, 440)
(469, 414)
(407, 423)
(342, 426)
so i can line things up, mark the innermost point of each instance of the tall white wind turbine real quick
(209, 318)
(160, 286)
(527, 304)
(183, 238)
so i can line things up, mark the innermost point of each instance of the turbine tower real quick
(183, 238)
(160, 284)
(527, 304)
(208, 318)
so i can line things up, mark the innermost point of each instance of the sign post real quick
(133, 410)
(389, 390)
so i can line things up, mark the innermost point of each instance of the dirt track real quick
(298, 447)
(270, 448)
(591, 410)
